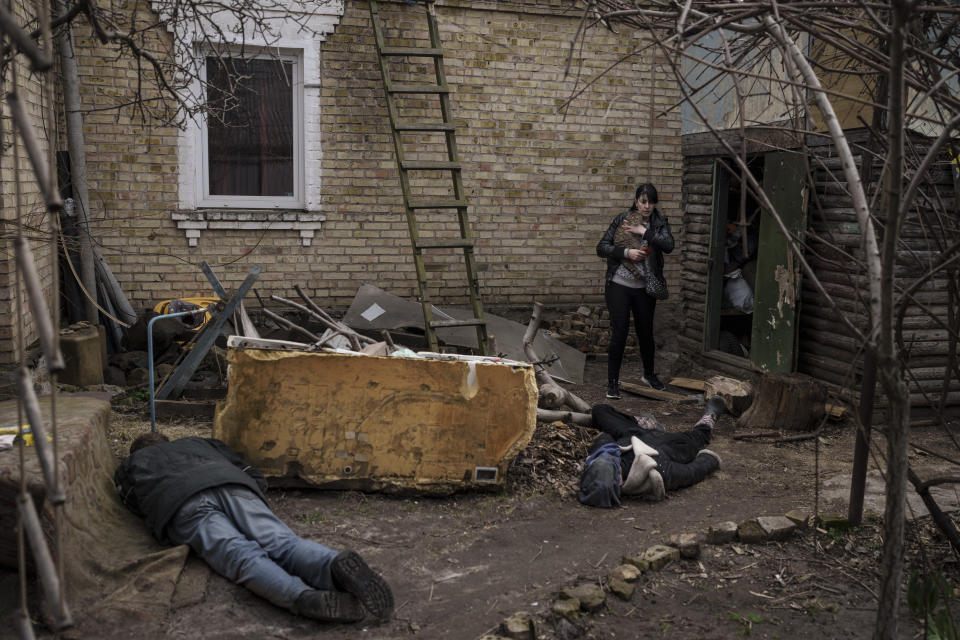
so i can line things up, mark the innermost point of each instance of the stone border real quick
(576, 602)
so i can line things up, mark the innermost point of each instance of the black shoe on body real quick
(613, 390)
(352, 574)
(652, 381)
(328, 606)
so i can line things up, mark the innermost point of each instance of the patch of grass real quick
(315, 518)
(749, 620)
(817, 605)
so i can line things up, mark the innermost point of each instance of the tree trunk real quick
(737, 395)
(889, 371)
(786, 401)
(78, 169)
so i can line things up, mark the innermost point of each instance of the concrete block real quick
(776, 527)
(687, 543)
(82, 353)
(722, 533)
(799, 517)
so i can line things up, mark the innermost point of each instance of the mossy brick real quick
(590, 596)
(625, 572)
(751, 531)
(622, 589)
(722, 532)
(687, 543)
(660, 555)
(568, 608)
(519, 626)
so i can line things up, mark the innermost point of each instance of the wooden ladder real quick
(437, 87)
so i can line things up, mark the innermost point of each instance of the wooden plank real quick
(166, 409)
(687, 383)
(647, 392)
(836, 411)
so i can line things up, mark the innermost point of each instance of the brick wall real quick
(543, 182)
(30, 215)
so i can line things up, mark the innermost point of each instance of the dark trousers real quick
(621, 301)
(677, 461)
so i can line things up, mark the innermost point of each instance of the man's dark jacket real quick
(156, 480)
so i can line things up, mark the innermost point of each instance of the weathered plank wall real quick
(826, 348)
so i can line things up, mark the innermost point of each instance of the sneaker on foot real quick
(328, 606)
(352, 574)
(613, 391)
(652, 381)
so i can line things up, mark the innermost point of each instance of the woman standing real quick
(626, 288)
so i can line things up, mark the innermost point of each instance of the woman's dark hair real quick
(646, 189)
(147, 439)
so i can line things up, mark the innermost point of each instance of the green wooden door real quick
(777, 292)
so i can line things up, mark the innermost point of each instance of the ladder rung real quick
(441, 324)
(417, 88)
(411, 165)
(444, 243)
(424, 126)
(437, 204)
(412, 51)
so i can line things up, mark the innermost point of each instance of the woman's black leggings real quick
(621, 301)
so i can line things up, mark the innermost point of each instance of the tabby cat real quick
(626, 240)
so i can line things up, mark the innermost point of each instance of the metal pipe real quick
(153, 408)
(38, 305)
(41, 168)
(38, 428)
(43, 560)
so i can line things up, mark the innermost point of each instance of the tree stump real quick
(737, 394)
(786, 401)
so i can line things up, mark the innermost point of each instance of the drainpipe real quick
(78, 167)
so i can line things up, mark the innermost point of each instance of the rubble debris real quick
(373, 310)
(553, 460)
(552, 395)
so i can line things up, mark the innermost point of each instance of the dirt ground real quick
(462, 564)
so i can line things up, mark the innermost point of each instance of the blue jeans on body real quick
(238, 535)
(678, 461)
(621, 302)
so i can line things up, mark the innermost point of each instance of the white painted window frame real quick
(193, 216)
(202, 166)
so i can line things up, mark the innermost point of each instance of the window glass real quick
(250, 150)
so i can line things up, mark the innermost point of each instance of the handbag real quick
(657, 287)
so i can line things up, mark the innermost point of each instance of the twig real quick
(539, 551)
(600, 561)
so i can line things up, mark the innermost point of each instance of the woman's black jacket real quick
(658, 237)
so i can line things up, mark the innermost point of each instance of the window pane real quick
(250, 127)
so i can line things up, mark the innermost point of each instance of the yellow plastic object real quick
(351, 421)
(27, 434)
(163, 307)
